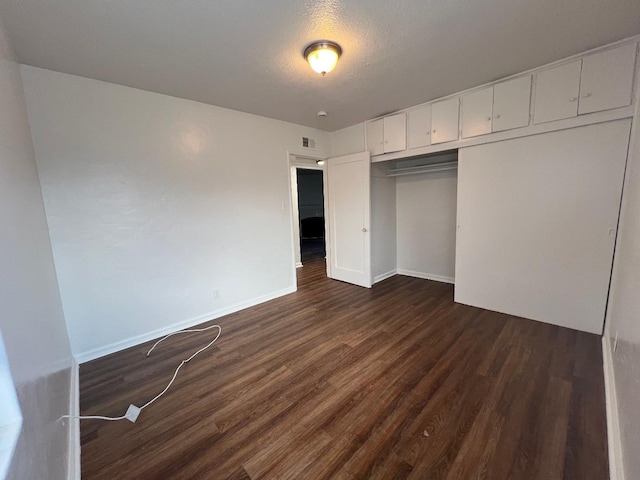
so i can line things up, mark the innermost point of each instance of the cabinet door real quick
(557, 93)
(607, 78)
(477, 110)
(444, 120)
(419, 127)
(375, 138)
(511, 101)
(395, 132)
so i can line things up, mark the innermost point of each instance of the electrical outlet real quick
(216, 294)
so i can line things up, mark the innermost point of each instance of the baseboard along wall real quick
(73, 471)
(138, 339)
(426, 276)
(384, 276)
(616, 467)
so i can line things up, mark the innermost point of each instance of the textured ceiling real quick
(247, 55)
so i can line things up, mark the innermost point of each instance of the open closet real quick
(414, 217)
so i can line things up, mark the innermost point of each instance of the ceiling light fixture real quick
(323, 56)
(320, 162)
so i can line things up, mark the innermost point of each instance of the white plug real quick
(132, 413)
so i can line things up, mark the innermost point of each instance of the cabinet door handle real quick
(434, 131)
(488, 118)
(586, 95)
(573, 99)
(428, 133)
(364, 230)
(497, 116)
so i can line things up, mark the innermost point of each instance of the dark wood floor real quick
(337, 381)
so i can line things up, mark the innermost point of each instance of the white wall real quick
(537, 219)
(31, 316)
(383, 223)
(426, 216)
(347, 140)
(623, 314)
(154, 201)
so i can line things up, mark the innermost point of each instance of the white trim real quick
(384, 276)
(74, 424)
(138, 339)
(426, 276)
(616, 467)
(308, 162)
(295, 215)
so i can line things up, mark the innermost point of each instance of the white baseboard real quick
(138, 339)
(616, 468)
(74, 423)
(298, 264)
(384, 276)
(426, 276)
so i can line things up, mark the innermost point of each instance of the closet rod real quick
(437, 167)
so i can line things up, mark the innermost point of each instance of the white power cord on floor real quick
(133, 411)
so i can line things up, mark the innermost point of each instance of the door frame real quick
(308, 162)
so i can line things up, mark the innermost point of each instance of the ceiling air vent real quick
(308, 142)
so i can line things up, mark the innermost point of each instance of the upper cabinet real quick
(557, 92)
(607, 78)
(591, 83)
(477, 110)
(597, 82)
(419, 127)
(511, 102)
(387, 134)
(395, 132)
(444, 120)
(500, 107)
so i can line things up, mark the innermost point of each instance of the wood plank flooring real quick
(340, 382)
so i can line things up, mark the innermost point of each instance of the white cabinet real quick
(557, 92)
(444, 120)
(477, 108)
(395, 132)
(607, 78)
(597, 82)
(387, 134)
(419, 127)
(500, 107)
(511, 101)
(375, 137)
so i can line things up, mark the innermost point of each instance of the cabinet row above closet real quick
(596, 82)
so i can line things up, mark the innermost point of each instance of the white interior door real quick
(349, 216)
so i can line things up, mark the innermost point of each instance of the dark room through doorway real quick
(311, 214)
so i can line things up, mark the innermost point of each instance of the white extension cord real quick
(133, 411)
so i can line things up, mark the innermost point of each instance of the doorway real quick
(311, 230)
(308, 206)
